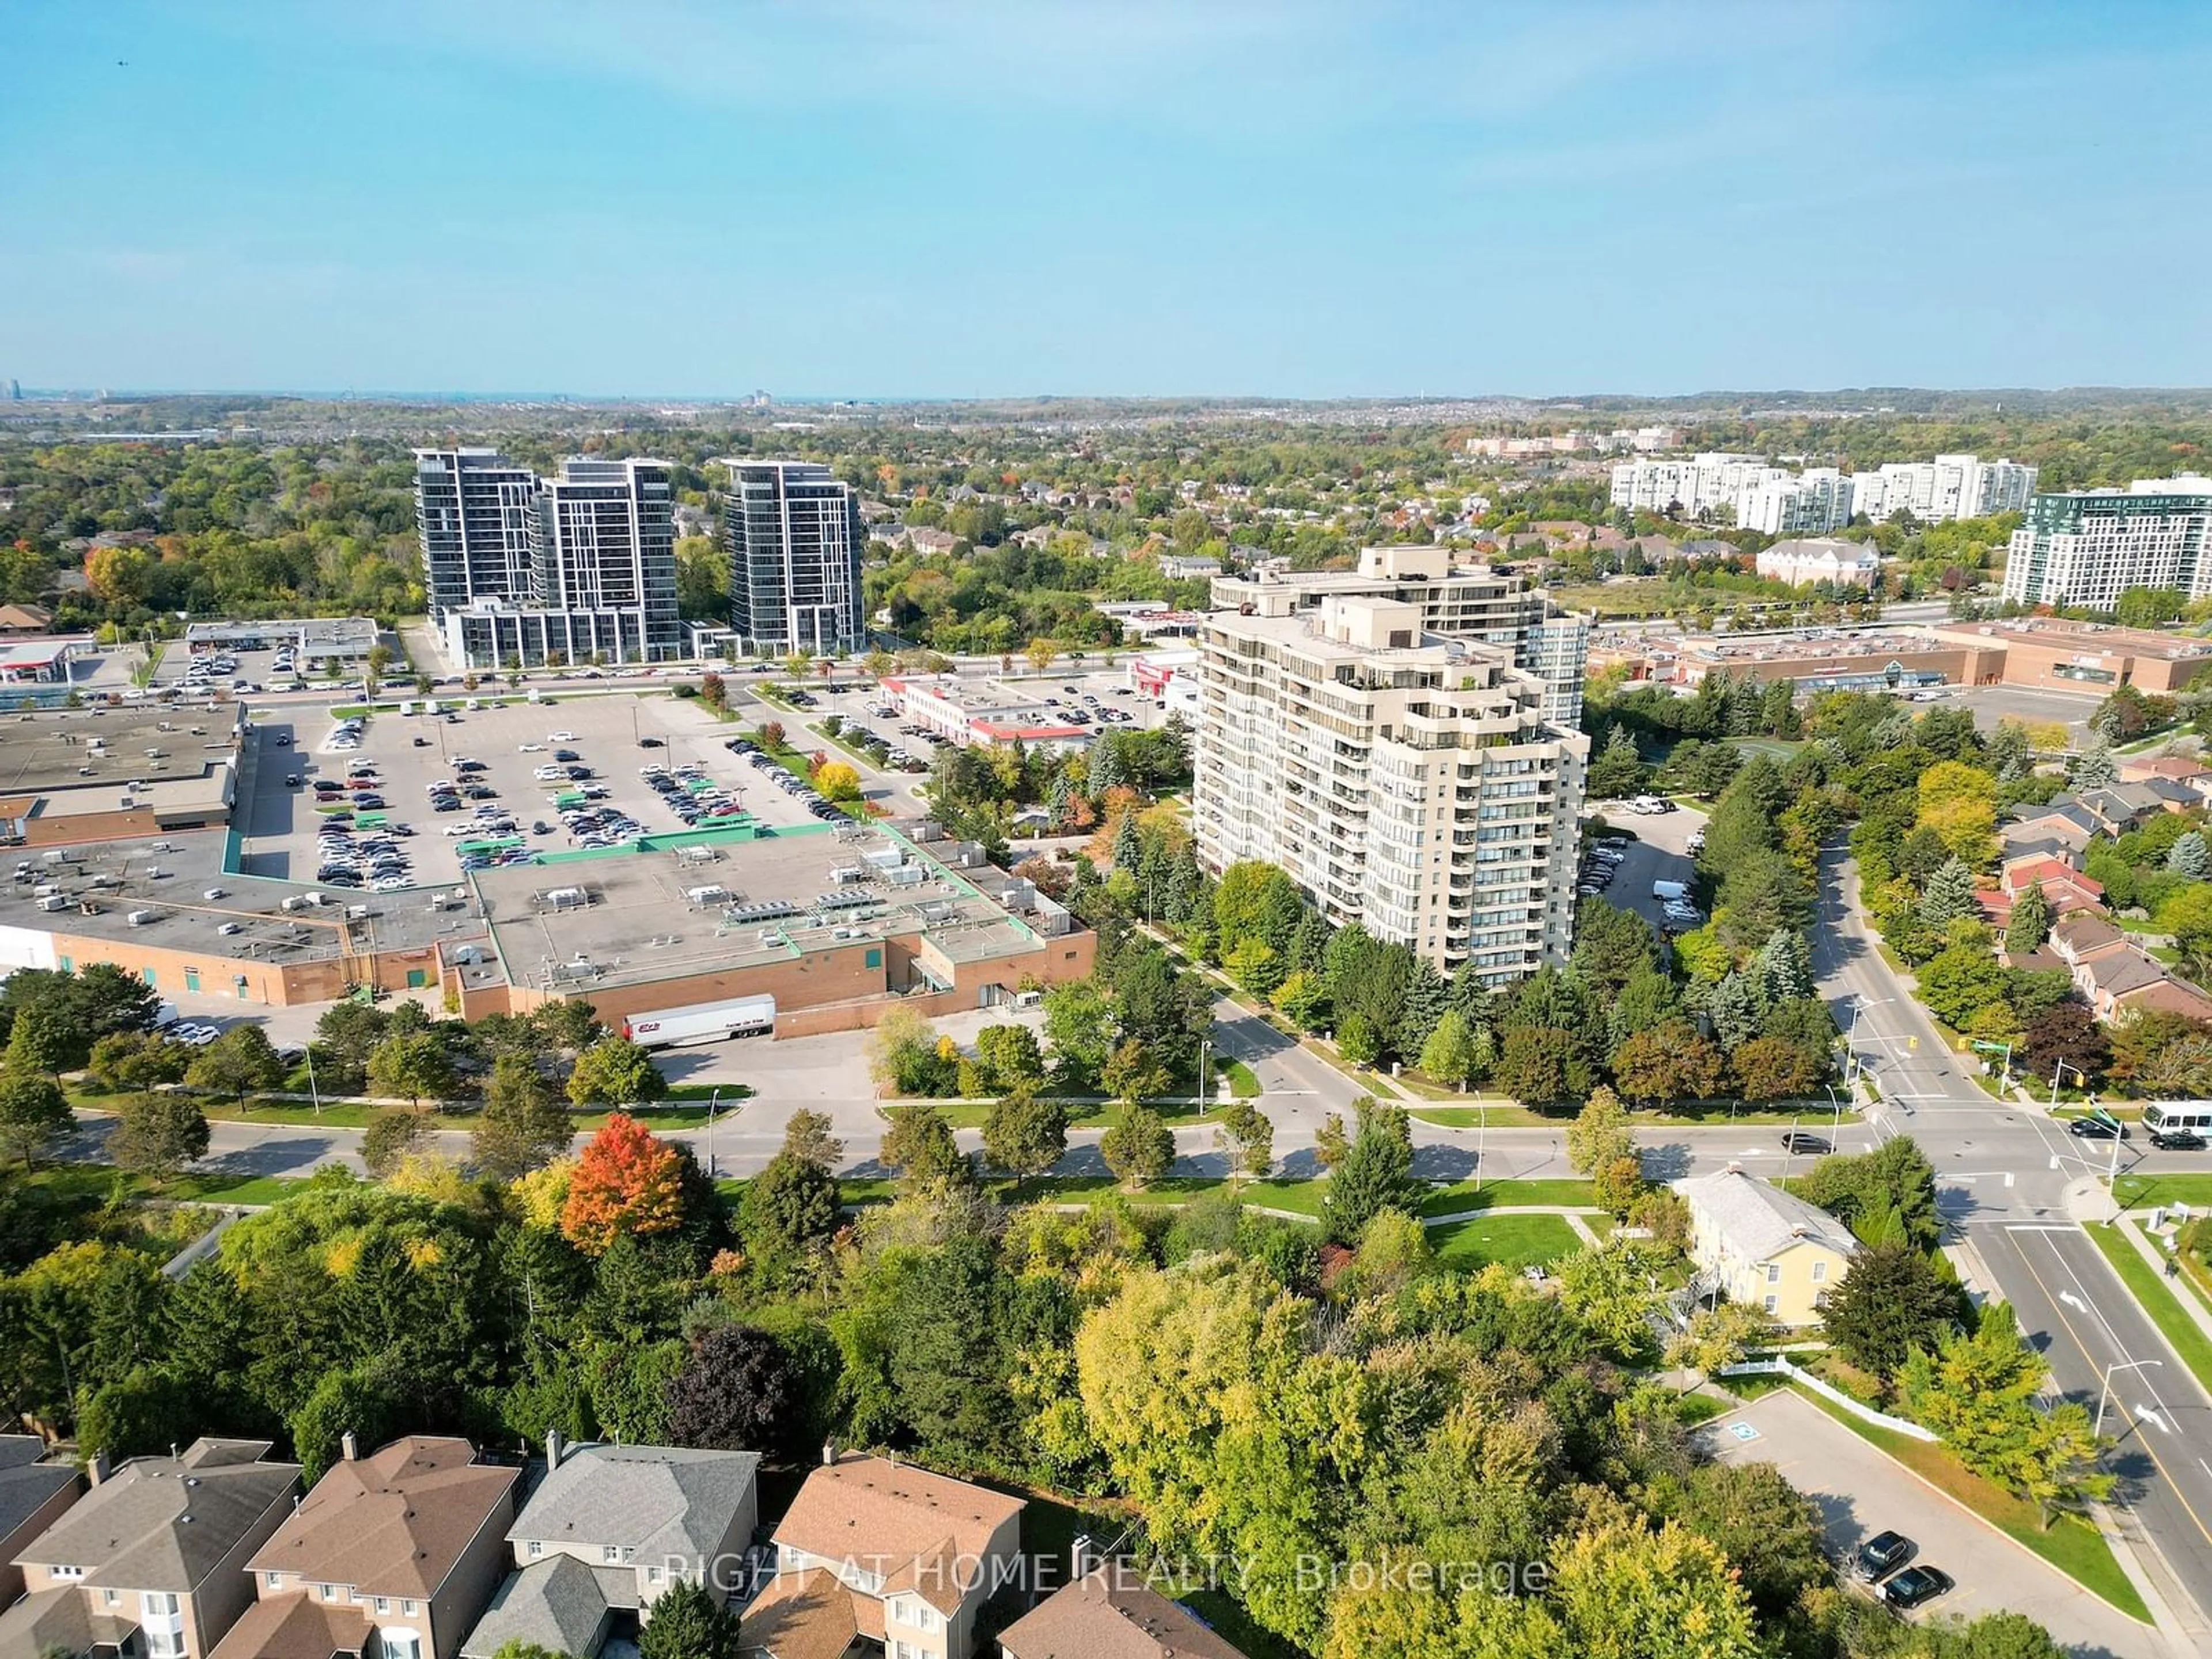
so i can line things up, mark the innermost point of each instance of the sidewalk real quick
(2133, 1226)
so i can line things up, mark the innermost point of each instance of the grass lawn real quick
(1517, 1241)
(357, 1115)
(2072, 1544)
(1176, 1113)
(2158, 1299)
(1242, 1084)
(2140, 1191)
(1508, 1194)
(228, 1189)
(1503, 1116)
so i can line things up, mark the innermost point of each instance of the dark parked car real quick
(2096, 1128)
(1881, 1555)
(1916, 1585)
(2177, 1140)
(1798, 1140)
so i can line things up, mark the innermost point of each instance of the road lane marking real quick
(2180, 1496)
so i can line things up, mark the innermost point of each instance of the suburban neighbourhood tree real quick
(919, 1144)
(414, 1066)
(32, 1108)
(615, 1072)
(627, 1180)
(737, 1391)
(1376, 1173)
(1245, 1133)
(1138, 1148)
(1889, 1306)
(1025, 1134)
(158, 1134)
(523, 1123)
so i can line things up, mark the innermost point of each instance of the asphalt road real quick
(2011, 1185)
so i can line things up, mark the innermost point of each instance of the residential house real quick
(151, 1562)
(1110, 1614)
(391, 1556)
(33, 1495)
(2120, 979)
(2191, 774)
(2083, 935)
(25, 619)
(2120, 807)
(877, 1551)
(2065, 889)
(2054, 835)
(609, 1530)
(927, 538)
(1766, 1247)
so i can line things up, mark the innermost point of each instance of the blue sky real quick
(981, 197)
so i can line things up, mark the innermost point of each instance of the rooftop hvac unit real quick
(576, 968)
(885, 858)
(906, 875)
(703, 896)
(848, 872)
(765, 910)
(842, 901)
(141, 918)
(566, 898)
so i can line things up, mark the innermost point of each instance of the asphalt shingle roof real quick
(558, 1603)
(657, 1500)
(1100, 1618)
(1760, 1220)
(26, 1484)
(393, 1523)
(165, 1523)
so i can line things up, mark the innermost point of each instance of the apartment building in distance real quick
(1405, 781)
(1947, 488)
(1459, 601)
(2087, 547)
(794, 534)
(1778, 502)
(521, 569)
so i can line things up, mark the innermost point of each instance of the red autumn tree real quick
(627, 1181)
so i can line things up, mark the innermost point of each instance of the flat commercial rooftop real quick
(627, 918)
(102, 751)
(176, 883)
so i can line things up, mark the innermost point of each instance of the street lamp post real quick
(1835, 1129)
(2105, 1393)
(2058, 1069)
(713, 1101)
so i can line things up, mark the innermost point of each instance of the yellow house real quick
(1765, 1247)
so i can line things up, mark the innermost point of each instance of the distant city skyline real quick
(984, 198)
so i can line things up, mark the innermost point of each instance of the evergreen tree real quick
(2187, 856)
(1308, 942)
(1733, 1006)
(1105, 771)
(689, 1622)
(2029, 925)
(1376, 1175)
(2092, 768)
(1784, 966)
(1056, 801)
(1427, 996)
(1949, 897)
(1128, 845)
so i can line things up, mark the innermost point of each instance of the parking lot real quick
(613, 737)
(1859, 1490)
(2028, 705)
(1657, 850)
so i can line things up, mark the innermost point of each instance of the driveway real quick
(1861, 1491)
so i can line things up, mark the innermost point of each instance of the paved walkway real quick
(2134, 1227)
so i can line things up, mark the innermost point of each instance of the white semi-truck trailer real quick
(701, 1022)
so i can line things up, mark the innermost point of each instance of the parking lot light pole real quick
(2105, 1393)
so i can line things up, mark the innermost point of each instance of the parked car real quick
(1881, 1555)
(1915, 1586)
